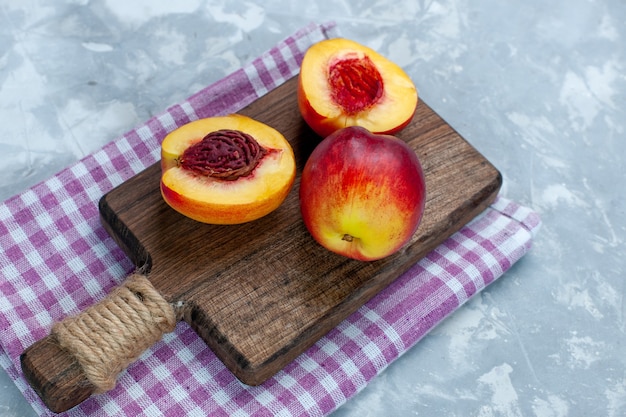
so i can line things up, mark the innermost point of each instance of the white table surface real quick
(537, 86)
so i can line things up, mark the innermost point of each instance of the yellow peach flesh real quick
(212, 200)
(393, 110)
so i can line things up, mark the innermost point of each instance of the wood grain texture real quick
(261, 293)
(55, 375)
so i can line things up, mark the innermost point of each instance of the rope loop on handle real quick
(110, 335)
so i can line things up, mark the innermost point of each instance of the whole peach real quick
(362, 195)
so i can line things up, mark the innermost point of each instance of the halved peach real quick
(226, 170)
(343, 83)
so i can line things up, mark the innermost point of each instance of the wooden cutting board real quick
(261, 293)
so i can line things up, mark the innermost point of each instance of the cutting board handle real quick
(84, 354)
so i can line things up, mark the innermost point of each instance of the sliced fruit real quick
(226, 170)
(343, 83)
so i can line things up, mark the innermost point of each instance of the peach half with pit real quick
(226, 169)
(343, 83)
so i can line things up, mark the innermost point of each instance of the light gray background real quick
(537, 86)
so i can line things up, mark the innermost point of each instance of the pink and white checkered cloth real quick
(56, 259)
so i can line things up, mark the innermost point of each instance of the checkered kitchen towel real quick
(56, 260)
